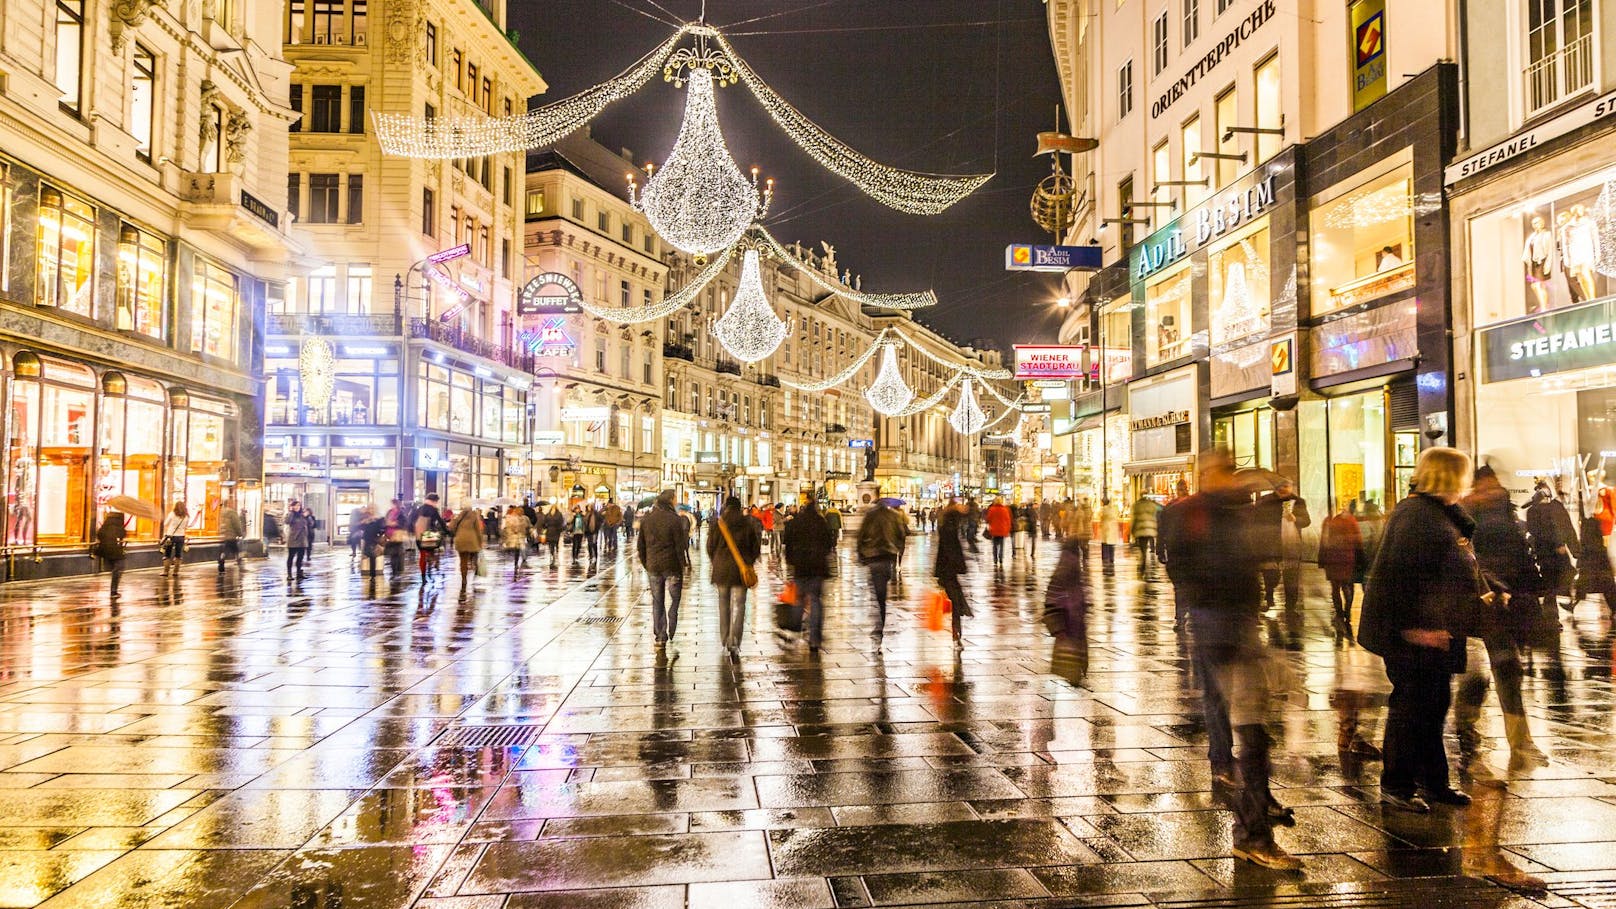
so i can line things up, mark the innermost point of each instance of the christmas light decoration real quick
(1367, 209)
(677, 300)
(1000, 419)
(976, 371)
(888, 394)
(846, 374)
(884, 301)
(317, 372)
(749, 329)
(1604, 215)
(1014, 405)
(920, 405)
(967, 418)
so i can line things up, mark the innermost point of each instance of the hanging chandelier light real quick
(967, 418)
(888, 394)
(699, 201)
(749, 329)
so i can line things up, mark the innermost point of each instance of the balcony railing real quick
(300, 323)
(453, 336)
(837, 429)
(727, 366)
(1560, 74)
(679, 352)
(768, 379)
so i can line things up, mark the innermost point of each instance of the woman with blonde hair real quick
(1421, 601)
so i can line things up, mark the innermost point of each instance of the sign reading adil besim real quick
(1033, 257)
(1049, 361)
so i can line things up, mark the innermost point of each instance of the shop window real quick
(214, 306)
(1167, 317)
(1248, 436)
(462, 403)
(282, 390)
(142, 281)
(52, 419)
(1362, 241)
(1116, 339)
(130, 460)
(5, 229)
(142, 91)
(70, 53)
(1238, 287)
(1358, 448)
(66, 252)
(1546, 252)
(201, 446)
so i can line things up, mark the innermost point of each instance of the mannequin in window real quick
(1167, 337)
(1538, 257)
(1387, 259)
(1579, 250)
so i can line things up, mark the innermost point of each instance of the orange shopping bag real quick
(788, 594)
(937, 607)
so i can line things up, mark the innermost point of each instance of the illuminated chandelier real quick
(317, 372)
(1604, 214)
(967, 418)
(888, 394)
(749, 329)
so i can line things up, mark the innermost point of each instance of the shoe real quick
(1279, 814)
(1410, 803)
(1225, 780)
(1524, 759)
(1269, 855)
(1450, 797)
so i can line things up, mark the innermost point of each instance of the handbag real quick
(748, 573)
(937, 606)
(788, 594)
(787, 618)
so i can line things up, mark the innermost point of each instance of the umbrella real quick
(1257, 479)
(893, 503)
(134, 506)
(647, 501)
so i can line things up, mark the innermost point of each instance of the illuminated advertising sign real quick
(550, 339)
(1047, 361)
(548, 294)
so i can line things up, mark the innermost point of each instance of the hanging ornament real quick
(699, 201)
(749, 329)
(317, 372)
(1605, 220)
(967, 418)
(885, 301)
(888, 394)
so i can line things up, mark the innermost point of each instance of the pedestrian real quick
(611, 521)
(629, 515)
(1214, 558)
(881, 540)
(771, 531)
(973, 520)
(664, 550)
(1066, 611)
(1110, 533)
(394, 536)
(231, 529)
(491, 525)
(173, 535)
(299, 537)
(575, 532)
(466, 530)
(1046, 517)
(356, 524)
(1029, 521)
(1505, 557)
(833, 519)
(1341, 555)
(1554, 539)
(1080, 522)
(1167, 530)
(951, 564)
(1142, 525)
(429, 529)
(809, 546)
(110, 548)
(1000, 525)
(372, 540)
(555, 527)
(733, 548)
(513, 533)
(1281, 518)
(1422, 587)
(594, 527)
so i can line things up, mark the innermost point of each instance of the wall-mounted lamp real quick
(1204, 182)
(1218, 156)
(1228, 133)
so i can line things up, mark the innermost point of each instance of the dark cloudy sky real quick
(946, 86)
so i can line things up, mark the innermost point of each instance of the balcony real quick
(727, 366)
(341, 324)
(837, 429)
(452, 336)
(679, 352)
(769, 380)
(1558, 75)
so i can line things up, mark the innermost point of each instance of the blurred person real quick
(951, 564)
(732, 535)
(1000, 524)
(356, 525)
(1281, 517)
(1554, 539)
(594, 528)
(973, 518)
(611, 521)
(514, 529)
(173, 535)
(111, 549)
(429, 530)
(881, 540)
(575, 532)
(466, 530)
(833, 520)
(397, 522)
(1143, 524)
(1110, 533)
(299, 538)
(1080, 522)
(555, 527)
(808, 547)
(372, 537)
(1341, 555)
(1065, 614)
(664, 550)
(231, 529)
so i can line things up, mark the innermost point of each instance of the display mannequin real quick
(1579, 251)
(1538, 256)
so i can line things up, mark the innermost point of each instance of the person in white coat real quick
(1110, 533)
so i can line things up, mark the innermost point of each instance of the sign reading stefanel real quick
(1047, 361)
(1558, 341)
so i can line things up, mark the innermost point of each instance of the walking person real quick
(575, 532)
(951, 564)
(809, 546)
(1142, 527)
(1110, 533)
(110, 548)
(1214, 559)
(1080, 523)
(466, 530)
(231, 529)
(429, 530)
(372, 540)
(1554, 539)
(1421, 588)
(174, 527)
(1282, 516)
(611, 522)
(1341, 555)
(394, 535)
(733, 548)
(664, 550)
(513, 533)
(881, 540)
(555, 526)
(1066, 611)
(594, 526)
(356, 525)
(1001, 522)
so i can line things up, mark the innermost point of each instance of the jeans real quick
(731, 615)
(295, 556)
(881, 571)
(1147, 548)
(998, 550)
(956, 596)
(1415, 715)
(594, 547)
(811, 606)
(609, 535)
(1235, 699)
(578, 544)
(1215, 709)
(1288, 573)
(665, 614)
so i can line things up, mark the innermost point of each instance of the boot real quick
(1524, 755)
(1472, 745)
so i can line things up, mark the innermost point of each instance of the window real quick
(5, 231)
(211, 160)
(359, 284)
(294, 196)
(1361, 240)
(505, 257)
(485, 174)
(1125, 212)
(471, 82)
(1125, 90)
(623, 359)
(323, 199)
(505, 186)
(327, 21)
(213, 311)
(66, 252)
(1161, 171)
(1542, 253)
(650, 243)
(603, 221)
(429, 213)
(431, 111)
(1192, 21)
(577, 209)
(624, 295)
(600, 355)
(485, 250)
(1225, 115)
(1270, 110)
(1560, 50)
(70, 52)
(1189, 145)
(326, 112)
(323, 289)
(645, 375)
(535, 203)
(1167, 317)
(457, 63)
(488, 95)
(356, 22)
(432, 44)
(356, 199)
(142, 277)
(1158, 44)
(142, 91)
(356, 109)
(1238, 288)
(1224, 5)
(296, 21)
(296, 98)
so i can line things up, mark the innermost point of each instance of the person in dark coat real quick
(882, 537)
(1418, 608)
(950, 565)
(1066, 611)
(809, 545)
(1341, 555)
(1554, 539)
(1281, 518)
(555, 525)
(664, 550)
(110, 548)
(299, 538)
(727, 573)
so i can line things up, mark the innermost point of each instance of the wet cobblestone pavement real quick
(231, 741)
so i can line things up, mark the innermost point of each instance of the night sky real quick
(945, 86)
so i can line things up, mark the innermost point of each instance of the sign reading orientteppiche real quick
(1049, 361)
(549, 294)
(1033, 257)
(1573, 338)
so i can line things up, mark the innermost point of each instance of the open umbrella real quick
(647, 501)
(893, 503)
(134, 506)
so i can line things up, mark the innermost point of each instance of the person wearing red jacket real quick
(1001, 521)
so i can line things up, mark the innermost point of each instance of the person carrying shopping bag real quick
(467, 532)
(733, 550)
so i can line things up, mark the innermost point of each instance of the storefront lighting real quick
(1367, 209)
(277, 350)
(358, 350)
(482, 372)
(317, 372)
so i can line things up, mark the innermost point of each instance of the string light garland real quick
(884, 301)
(1015, 405)
(920, 405)
(975, 371)
(749, 329)
(888, 394)
(670, 304)
(1000, 419)
(967, 418)
(846, 374)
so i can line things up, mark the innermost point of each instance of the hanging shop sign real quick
(431, 459)
(550, 339)
(1034, 257)
(1160, 421)
(1560, 341)
(548, 294)
(1367, 31)
(548, 437)
(860, 443)
(1048, 361)
(1219, 52)
(1519, 144)
(1035, 407)
(1282, 366)
(585, 414)
(260, 209)
(450, 254)
(708, 457)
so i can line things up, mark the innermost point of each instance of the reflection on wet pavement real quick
(232, 742)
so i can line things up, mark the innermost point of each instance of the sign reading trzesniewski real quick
(1049, 361)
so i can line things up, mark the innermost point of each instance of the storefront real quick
(1164, 411)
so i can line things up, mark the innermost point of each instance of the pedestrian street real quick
(230, 741)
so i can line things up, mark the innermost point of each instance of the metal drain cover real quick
(488, 736)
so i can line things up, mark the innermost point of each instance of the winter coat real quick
(613, 515)
(1110, 529)
(999, 519)
(950, 546)
(1270, 524)
(833, 520)
(513, 530)
(1066, 597)
(555, 524)
(1213, 561)
(1549, 525)
(1144, 517)
(1424, 577)
(467, 531)
(1080, 521)
(747, 541)
(109, 539)
(231, 526)
(299, 529)
(883, 534)
(1500, 543)
(808, 544)
(664, 541)
(1341, 550)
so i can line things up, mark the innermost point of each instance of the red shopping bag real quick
(937, 607)
(788, 593)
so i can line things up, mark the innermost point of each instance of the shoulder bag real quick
(748, 573)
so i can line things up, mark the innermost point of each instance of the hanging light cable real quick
(884, 301)
(749, 329)
(673, 302)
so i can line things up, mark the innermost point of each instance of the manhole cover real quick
(488, 736)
